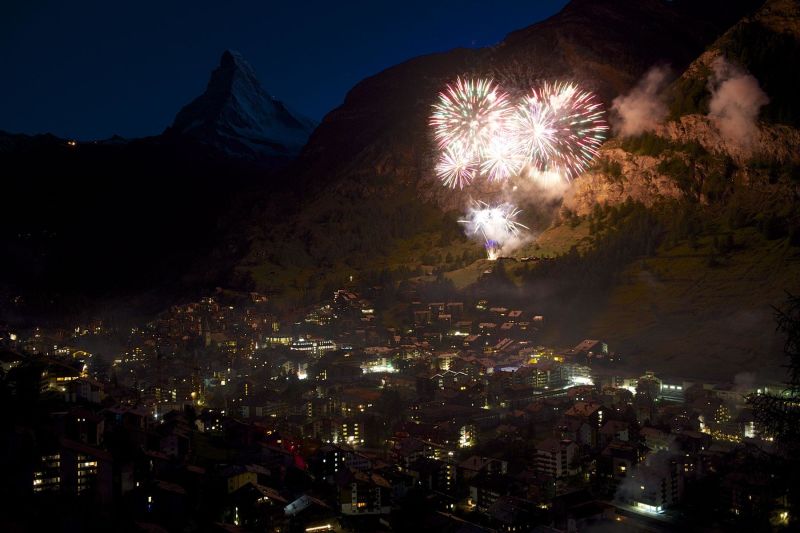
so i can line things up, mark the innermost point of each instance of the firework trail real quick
(496, 225)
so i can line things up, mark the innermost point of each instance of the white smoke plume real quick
(537, 192)
(544, 185)
(744, 383)
(648, 474)
(736, 99)
(643, 108)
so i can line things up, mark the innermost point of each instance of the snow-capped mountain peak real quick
(237, 115)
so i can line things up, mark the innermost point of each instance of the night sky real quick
(91, 69)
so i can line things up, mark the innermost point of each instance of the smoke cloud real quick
(744, 382)
(655, 467)
(546, 186)
(643, 108)
(736, 99)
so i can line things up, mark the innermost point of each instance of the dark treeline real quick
(622, 233)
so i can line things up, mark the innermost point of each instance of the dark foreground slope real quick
(110, 220)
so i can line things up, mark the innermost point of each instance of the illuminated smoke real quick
(736, 99)
(643, 108)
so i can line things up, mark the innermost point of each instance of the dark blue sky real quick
(89, 69)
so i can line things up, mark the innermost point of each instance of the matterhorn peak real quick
(237, 115)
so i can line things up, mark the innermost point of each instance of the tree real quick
(779, 414)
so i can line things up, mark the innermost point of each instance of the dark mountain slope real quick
(373, 153)
(92, 220)
(605, 44)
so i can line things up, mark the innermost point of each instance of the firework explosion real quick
(501, 159)
(548, 136)
(555, 128)
(533, 131)
(466, 122)
(497, 225)
(571, 129)
(469, 113)
(456, 166)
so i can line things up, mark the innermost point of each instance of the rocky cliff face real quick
(779, 16)
(643, 178)
(772, 141)
(639, 179)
